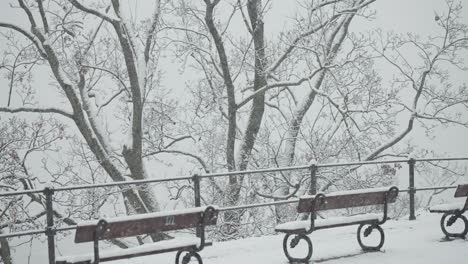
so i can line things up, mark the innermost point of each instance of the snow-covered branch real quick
(49, 110)
(92, 11)
(315, 29)
(180, 152)
(281, 84)
(28, 35)
(152, 30)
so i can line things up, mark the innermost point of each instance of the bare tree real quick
(435, 96)
(20, 142)
(367, 112)
(78, 59)
(240, 70)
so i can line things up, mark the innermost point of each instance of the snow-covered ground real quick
(415, 242)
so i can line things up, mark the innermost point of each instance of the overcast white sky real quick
(415, 16)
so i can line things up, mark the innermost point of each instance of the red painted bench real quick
(337, 200)
(453, 211)
(127, 226)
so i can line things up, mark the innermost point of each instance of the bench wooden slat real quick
(347, 220)
(462, 190)
(341, 200)
(298, 226)
(444, 208)
(139, 251)
(143, 224)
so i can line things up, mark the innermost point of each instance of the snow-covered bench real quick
(134, 225)
(338, 200)
(453, 211)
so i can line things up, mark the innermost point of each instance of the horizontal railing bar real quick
(247, 206)
(232, 173)
(325, 165)
(23, 233)
(112, 184)
(14, 193)
(442, 159)
(430, 188)
(99, 185)
(370, 162)
(35, 232)
(66, 228)
(435, 188)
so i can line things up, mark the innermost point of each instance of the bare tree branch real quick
(37, 110)
(89, 10)
(30, 36)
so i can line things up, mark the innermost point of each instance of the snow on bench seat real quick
(147, 249)
(442, 208)
(327, 223)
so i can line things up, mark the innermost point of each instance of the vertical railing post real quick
(313, 177)
(313, 180)
(50, 232)
(411, 189)
(196, 190)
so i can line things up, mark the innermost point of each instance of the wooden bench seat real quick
(299, 226)
(452, 212)
(176, 244)
(338, 200)
(449, 207)
(126, 226)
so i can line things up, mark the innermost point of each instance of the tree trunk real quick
(333, 45)
(5, 253)
(254, 8)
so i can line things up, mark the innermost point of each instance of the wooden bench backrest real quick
(134, 225)
(462, 190)
(356, 198)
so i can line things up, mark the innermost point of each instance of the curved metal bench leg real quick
(367, 231)
(452, 218)
(186, 259)
(294, 242)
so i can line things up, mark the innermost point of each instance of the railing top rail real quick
(13, 193)
(225, 174)
(232, 173)
(442, 159)
(355, 163)
(99, 185)
(23, 233)
(247, 206)
(113, 184)
(324, 165)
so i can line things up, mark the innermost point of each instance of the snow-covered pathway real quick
(414, 242)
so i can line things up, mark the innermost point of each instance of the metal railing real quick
(48, 192)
